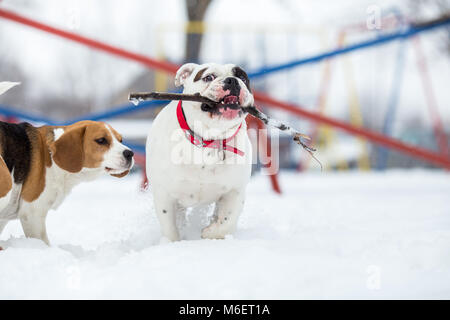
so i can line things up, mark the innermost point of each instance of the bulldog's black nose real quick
(231, 83)
(128, 155)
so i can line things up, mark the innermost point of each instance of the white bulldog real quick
(199, 154)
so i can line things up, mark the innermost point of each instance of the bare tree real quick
(196, 10)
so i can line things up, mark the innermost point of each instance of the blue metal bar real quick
(121, 110)
(9, 112)
(403, 34)
(135, 147)
(383, 153)
(392, 104)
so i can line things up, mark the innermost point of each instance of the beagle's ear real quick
(184, 72)
(68, 150)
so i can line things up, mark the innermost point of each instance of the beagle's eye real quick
(209, 78)
(101, 141)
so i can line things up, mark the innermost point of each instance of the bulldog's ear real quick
(68, 150)
(184, 72)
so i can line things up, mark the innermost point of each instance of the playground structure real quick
(355, 128)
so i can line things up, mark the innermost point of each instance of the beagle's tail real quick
(6, 85)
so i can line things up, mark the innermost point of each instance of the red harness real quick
(199, 142)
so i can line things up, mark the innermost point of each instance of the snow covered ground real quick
(330, 235)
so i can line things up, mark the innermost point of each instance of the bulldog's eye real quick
(243, 79)
(101, 141)
(209, 78)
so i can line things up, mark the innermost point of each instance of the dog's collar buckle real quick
(199, 142)
(195, 140)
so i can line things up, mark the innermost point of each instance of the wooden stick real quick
(136, 97)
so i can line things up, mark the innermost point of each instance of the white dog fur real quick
(183, 175)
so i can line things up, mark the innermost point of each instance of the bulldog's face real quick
(226, 84)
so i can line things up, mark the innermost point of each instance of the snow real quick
(330, 235)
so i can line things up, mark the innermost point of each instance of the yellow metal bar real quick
(195, 27)
(323, 133)
(201, 27)
(161, 78)
(354, 106)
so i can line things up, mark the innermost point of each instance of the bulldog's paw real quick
(214, 231)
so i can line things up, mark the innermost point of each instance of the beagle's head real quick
(93, 145)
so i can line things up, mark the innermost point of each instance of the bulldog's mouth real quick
(230, 101)
(228, 107)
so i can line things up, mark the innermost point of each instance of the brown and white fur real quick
(40, 166)
(183, 175)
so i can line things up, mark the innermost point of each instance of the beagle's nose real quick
(128, 155)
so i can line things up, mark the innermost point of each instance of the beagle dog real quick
(40, 166)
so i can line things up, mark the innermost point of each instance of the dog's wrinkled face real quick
(226, 84)
(93, 145)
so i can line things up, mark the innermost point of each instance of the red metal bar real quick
(424, 154)
(149, 62)
(433, 108)
(140, 161)
(265, 149)
(324, 89)
(375, 137)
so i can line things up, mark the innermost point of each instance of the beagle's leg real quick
(33, 224)
(166, 209)
(228, 209)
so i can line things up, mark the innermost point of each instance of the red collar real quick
(199, 142)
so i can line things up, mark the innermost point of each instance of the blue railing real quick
(104, 115)
(381, 39)
(7, 111)
(116, 112)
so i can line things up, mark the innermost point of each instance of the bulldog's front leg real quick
(166, 209)
(228, 209)
(33, 224)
